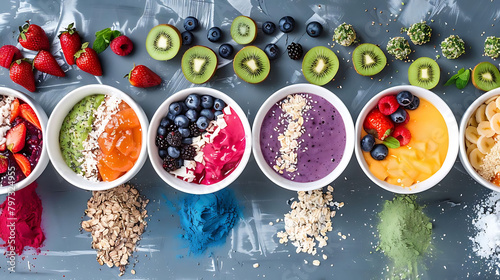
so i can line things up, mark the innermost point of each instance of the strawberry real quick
(14, 109)
(4, 164)
(9, 53)
(21, 72)
(29, 114)
(23, 163)
(378, 124)
(141, 76)
(388, 104)
(3, 147)
(46, 63)
(88, 61)
(32, 37)
(70, 43)
(402, 134)
(16, 138)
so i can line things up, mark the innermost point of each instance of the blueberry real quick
(272, 51)
(217, 113)
(165, 122)
(192, 115)
(180, 162)
(314, 29)
(268, 27)
(181, 121)
(207, 113)
(187, 38)
(184, 107)
(162, 131)
(191, 23)
(399, 116)
(287, 24)
(173, 152)
(175, 108)
(162, 153)
(367, 142)
(185, 132)
(404, 98)
(379, 152)
(214, 34)
(170, 116)
(219, 104)
(202, 122)
(193, 101)
(207, 101)
(187, 140)
(226, 51)
(414, 103)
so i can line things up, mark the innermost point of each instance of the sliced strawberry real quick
(4, 164)
(29, 114)
(24, 164)
(16, 138)
(3, 147)
(14, 109)
(402, 134)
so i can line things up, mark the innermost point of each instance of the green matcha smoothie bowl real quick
(97, 137)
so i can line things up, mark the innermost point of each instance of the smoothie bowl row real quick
(406, 139)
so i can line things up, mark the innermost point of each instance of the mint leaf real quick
(391, 142)
(103, 38)
(461, 79)
(99, 45)
(452, 80)
(465, 75)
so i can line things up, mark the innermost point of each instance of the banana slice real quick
(471, 134)
(497, 101)
(491, 109)
(471, 148)
(484, 129)
(481, 113)
(472, 121)
(491, 99)
(484, 144)
(476, 158)
(468, 143)
(495, 123)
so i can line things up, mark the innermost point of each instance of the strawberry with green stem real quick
(21, 73)
(33, 37)
(378, 124)
(88, 61)
(143, 77)
(70, 43)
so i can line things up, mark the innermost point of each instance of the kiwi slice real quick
(251, 64)
(424, 72)
(368, 59)
(199, 64)
(243, 30)
(320, 65)
(163, 42)
(485, 76)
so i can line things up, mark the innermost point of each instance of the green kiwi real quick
(424, 72)
(320, 65)
(251, 64)
(485, 76)
(163, 42)
(368, 59)
(199, 64)
(243, 30)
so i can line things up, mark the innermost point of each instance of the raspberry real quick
(188, 152)
(388, 104)
(294, 51)
(174, 138)
(402, 134)
(122, 45)
(170, 164)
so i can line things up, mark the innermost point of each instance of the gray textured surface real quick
(67, 251)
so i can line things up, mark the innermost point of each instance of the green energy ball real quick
(344, 34)
(453, 47)
(399, 48)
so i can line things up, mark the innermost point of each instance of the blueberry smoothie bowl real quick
(303, 137)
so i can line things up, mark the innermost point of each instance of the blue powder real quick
(207, 219)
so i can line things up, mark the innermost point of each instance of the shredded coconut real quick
(5, 103)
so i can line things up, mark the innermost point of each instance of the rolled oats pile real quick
(117, 221)
(307, 224)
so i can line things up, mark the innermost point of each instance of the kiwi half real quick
(163, 42)
(251, 64)
(485, 76)
(199, 64)
(368, 59)
(424, 72)
(320, 65)
(243, 30)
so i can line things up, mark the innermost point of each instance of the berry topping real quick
(174, 138)
(378, 124)
(194, 129)
(173, 152)
(185, 132)
(165, 122)
(8, 54)
(219, 104)
(122, 45)
(29, 114)
(202, 122)
(207, 101)
(23, 163)
(294, 51)
(193, 101)
(404, 98)
(141, 76)
(271, 51)
(175, 108)
(4, 164)
(399, 116)
(161, 131)
(171, 127)
(214, 34)
(162, 153)
(367, 142)
(181, 121)
(226, 51)
(314, 29)
(414, 104)
(268, 27)
(46, 63)
(191, 23)
(16, 137)
(388, 104)
(286, 24)
(187, 38)
(188, 152)
(402, 134)
(192, 115)
(379, 152)
(161, 142)
(170, 164)
(207, 113)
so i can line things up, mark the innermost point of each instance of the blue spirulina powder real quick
(208, 219)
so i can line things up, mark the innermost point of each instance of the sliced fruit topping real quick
(29, 114)
(14, 109)
(424, 72)
(243, 30)
(251, 64)
(4, 164)
(199, 64)
(486, 76)
(320, 65)
(23, 163)
(378, 124)
(163, 42)
(108, 174)
(16, 137)
(388, 104)
(402, 134)
(368, 59)
(3, 147)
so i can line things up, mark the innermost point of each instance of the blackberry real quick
(174, 138)
(295, 51)
(171, 127)
(188, 152)
(161, 142)
(195, 131)
(170, 164)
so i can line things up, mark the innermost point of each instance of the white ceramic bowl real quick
(54, 126)
(451, 124)
(156, 161)
(463, 150)
(349, 129)
(44, 159)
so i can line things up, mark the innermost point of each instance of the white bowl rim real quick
(348, 125)
(451, 124)
(54, 125)
(177, 183)
(44, 159)
(463, 151)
